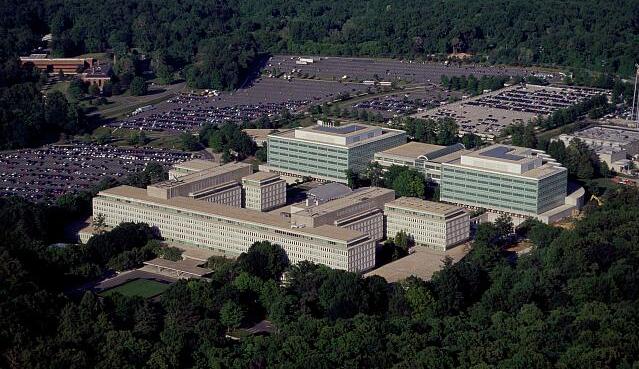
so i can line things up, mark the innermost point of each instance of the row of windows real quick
(494, 177)
(486, 184)
(231, 239)
(166, 215)
(286, 144)
(304, 153)
(489, 193)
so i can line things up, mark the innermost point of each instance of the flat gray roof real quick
(198, 175)
(179, 266)
(431, 207)
(356, 197)
(386, 133)
(502, 152)
(340, 130)
(608, 133)
(261, 176)
(196, 165)
(411, 150)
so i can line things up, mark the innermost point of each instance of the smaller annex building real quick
(431, 224)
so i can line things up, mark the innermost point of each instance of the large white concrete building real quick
(431, 224)
(233, 230)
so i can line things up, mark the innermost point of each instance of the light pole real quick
(634, 99)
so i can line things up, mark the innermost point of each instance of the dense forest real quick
(572, 302)
(578, 33)
(217, 44)
(27, 118)
(219, 38)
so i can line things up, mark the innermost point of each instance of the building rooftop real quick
(412, 150)
(544, 171)
(358, 196)
(329, 191)
(513, 160)
(260, 134)
(179, 266)
(504, 153)
(232, 213)
(431, 207)
(349, 135)
(196, 165)
(35, 56)
(350, 129)
(56, 60)
(261, 176)
(455, 155)
(198, 175)
(609, 133)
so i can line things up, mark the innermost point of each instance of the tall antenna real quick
(635, 115)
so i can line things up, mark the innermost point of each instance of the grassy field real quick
(138, 287)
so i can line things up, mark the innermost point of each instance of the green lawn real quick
(138, 287)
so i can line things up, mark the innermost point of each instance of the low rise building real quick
(326, 152)
(432, 224)
(514, 180)
(98, 75)
(606, 137)
(264, 191)
(616, 159)
(423, 157)
(197, 181)
(56, 65)
(612, 144)
(233, 230)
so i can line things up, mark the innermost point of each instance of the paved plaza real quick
(422, 263)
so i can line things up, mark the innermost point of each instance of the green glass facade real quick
(310, 158)
(509, 193)
(325, 161)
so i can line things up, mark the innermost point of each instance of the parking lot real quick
(45, 173)
(324, 80)
(406, 102)
(488, 114)
(361, 69)
(266, 96)
(538, 100)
